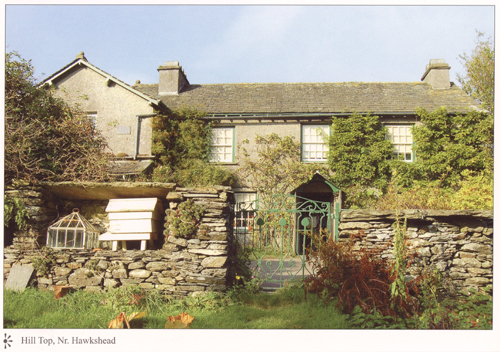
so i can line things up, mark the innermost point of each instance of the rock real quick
(45, 281)
(424, 251)
(62, 271)
(111, 283)
(486, 264)
(167, 280)
(157, 266)
(177, 241)
(213, 262)
(127, 282)
(467, 263)
(92, 289)
(136, 265)
(475, 247)
(84, 277)
(119, 274)
(477, 281)
(478, 271)
(217, 246)
(139, 274)
(354, 225)
(213, 252)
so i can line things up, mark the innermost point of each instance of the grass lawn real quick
(81, 310)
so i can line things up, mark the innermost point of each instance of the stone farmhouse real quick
(458, 243)
(241, 111)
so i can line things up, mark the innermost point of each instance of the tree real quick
(277, 169)
(359, 153)
(45, 139)
(479, 78)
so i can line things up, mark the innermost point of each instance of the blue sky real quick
(234, 44)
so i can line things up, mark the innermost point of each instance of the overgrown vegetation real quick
(448, 145)
(45, 139)
(274, 165)
(43, 261)
(359, 153)
(15, 212)
(375, 293)
(184, 221)
(181, 141)
(358, 279)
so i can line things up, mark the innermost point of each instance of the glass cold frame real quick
(72, 231)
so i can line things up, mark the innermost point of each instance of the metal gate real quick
(277, 232)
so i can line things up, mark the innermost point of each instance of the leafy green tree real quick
(447, 145)
(45, 139)
(479, 78)
(181, 141)
(277, 167)
(359, 153)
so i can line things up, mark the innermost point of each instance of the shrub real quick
(360, 277)
(184, 221)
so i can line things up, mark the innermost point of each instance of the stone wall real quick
(41, 207)
(457, 243)
(181, 267)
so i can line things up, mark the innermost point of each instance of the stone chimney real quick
(172, 78)
(437, 74)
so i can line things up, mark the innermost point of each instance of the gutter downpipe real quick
(138, 132)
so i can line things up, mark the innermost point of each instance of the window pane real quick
(315, 142)
(222, 144)
(400, 136)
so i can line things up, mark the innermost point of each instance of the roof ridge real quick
(283, 83)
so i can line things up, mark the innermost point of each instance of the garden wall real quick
(179, 267)
(457, 243)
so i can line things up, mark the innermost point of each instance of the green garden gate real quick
(277, 232)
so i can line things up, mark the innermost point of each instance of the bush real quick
(184, 221)
(355, 279)
(474, 192)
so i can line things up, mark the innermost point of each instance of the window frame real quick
(244, 215)
(304, 144)
(212, 146)
(92, 116)
(396, 151)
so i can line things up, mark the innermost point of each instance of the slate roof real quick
(378, 98)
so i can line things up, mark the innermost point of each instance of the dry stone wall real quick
(457, 243)
(181, 267)
(41, 207)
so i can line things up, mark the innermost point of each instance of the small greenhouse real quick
(73, 232)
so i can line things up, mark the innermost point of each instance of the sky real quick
(245, 44)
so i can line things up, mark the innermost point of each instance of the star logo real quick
(7, 341)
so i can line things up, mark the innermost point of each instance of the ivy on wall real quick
(181, 141)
